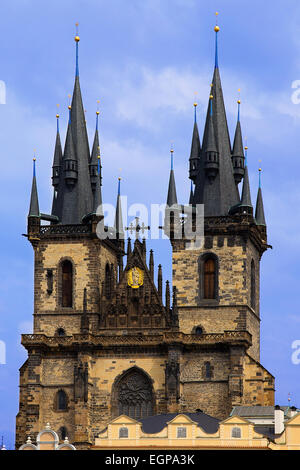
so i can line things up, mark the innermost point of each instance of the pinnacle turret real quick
(34, 210)
(238, 157)
(195, 150)
(118, 225)
(93, 165)
(259, 210)
(172, 195)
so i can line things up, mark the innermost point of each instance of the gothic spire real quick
(97, 204)
(34, 210)
(259, 211)
(172, 195)
(56, 167)
(218, 193)
(195, 149)
(94, 157)
(246, 196)
(118, 225)
(57, 159)
(238, 151)
(74, 197)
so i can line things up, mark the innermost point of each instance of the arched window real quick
(209, 284)
(208, 370)
(253, 286)
(63, 433)
(107, 281)
(61, 401)
(123, 433)
(67, 284)
(236, 433)
(133, 395)
(60, 332)
(199, 330)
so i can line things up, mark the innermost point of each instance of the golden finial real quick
(172, 148)
(217, 29)
(211, 97)
(119, 178)
(69, 107)
(246, 148)
(77, 38)
(57, 115)
(34, 159)
(97, 112)
(195, 102)
(98, 157)
(239, 99)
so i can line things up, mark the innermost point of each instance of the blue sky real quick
(144, 59)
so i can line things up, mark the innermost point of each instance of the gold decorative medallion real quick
(135, 277)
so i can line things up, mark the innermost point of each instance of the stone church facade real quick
(109, 338)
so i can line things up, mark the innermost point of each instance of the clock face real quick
(135, 277)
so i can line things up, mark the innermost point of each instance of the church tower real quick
(218, 285)
(109, 337)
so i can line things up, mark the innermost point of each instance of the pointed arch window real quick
(67, 283)
(107, 281)
(209, 278)
(253, 286)
(61, 401)
(133, 395)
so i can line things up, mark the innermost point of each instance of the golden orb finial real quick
(69, 107)
(119, 178)
(77, 38)
(97, 112)
(239, 101)
(34, 159)
(246, 148)
(57, 116)
(216, 28)
(211, 97)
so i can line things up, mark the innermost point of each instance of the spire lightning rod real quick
(217, 29)
(239, 103)
(77, 39)
(172, 153)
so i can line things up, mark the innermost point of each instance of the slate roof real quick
(154, 424)
(219, 195)
(253, 411)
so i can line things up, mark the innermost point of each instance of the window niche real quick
(61, 401)
(49, 277)
(253, 286)
(67, 284)
(208, 278)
